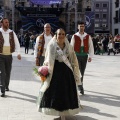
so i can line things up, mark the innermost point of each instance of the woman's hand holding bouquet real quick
(42, 72)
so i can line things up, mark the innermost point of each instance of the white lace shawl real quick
(50, 59)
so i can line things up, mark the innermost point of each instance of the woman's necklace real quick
(61, 46)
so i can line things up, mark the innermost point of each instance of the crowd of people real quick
(106, 44)
(66, 59)
(27, 40)
(101, 43)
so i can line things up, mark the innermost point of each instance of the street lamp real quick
(68, 16)
(13, 11)
(76, 2)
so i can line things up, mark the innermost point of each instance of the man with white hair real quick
(41, 44)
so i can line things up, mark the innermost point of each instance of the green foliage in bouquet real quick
(36, 71)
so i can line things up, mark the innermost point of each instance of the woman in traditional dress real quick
(58, 93)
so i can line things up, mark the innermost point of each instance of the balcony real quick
(33, 10)
(21, 0)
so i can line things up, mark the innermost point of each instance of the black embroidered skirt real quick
(61, 94)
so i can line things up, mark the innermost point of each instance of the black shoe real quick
(3, 95)
(7, 89)
(82, 91)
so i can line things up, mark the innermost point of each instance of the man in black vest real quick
(8, 43)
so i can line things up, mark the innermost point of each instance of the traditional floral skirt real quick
(61, 97)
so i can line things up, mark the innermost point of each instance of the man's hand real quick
(37, 61)
(89, 59)
(19, 57)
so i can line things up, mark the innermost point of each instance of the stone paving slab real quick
(100, 102)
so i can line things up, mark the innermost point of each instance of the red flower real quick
(43, 70)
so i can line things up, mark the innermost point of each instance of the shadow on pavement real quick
(107, 99)
(84, 118)
(89, 109)
(24, 94)
(79, 117)
(20, 98)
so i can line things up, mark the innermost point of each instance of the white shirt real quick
(47, 39)
(6, 39)
(90, 49)
(110, 45)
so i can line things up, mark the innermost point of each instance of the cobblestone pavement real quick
(101, 83)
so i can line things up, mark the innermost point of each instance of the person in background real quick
(111, 46)
(58, 95)
(116, 43)
(32, 43)
(8, 44)
(83, 45)
(100, 49)
(95, 40)
(68, 37)
(41, 44)
(27, 42)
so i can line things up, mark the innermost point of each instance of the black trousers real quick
(5, 68)
(41, 59)
(26, 49)
(82, 60)
(111, 50)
